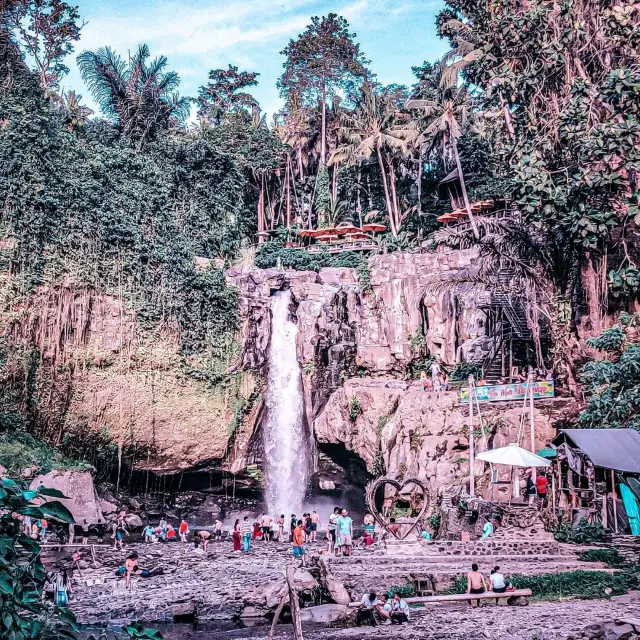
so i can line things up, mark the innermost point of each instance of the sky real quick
(197, 36)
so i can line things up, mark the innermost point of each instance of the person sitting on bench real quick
(498, 584)
(475, 582)
(368, 605)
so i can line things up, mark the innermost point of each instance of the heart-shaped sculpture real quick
(373, 487)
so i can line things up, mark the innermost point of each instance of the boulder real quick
(325, 613)
(614, 631)
(327, 485)
(304, 581)
(107, 507)
(133, 521)
(82, 499)
(183, 609)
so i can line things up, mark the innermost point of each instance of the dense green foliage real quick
(609, 556)
(584, 532)
(612, 381)
(23, 613)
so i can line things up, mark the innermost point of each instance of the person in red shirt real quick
(183, 530)
(542, 485)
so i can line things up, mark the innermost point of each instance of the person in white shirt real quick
(384, 609)
(399, 610)
(368, 605)
(498, 584)
(331, 530)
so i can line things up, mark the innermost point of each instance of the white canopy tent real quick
(513, 456)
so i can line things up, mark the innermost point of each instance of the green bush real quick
(405, 591)
(270, 253)
(586, 585)
(463, 370)
(609, 556)
(584, 533)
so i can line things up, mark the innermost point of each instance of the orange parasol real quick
(373, 227)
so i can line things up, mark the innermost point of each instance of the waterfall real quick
(286, 445)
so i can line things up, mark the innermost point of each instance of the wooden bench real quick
(463, 597)
(468, 597)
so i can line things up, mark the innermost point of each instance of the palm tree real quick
(139, 96)
(372, 128)
(441, 119)
(74, 113)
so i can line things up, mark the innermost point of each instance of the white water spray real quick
(286, 445)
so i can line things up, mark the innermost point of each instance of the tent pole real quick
(531, 422)
(615, 501)
(472, 480)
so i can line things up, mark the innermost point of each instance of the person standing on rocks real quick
(236, 536)
(475, 583)
(219, 526)
(183, 530)
(294, 520)
(345, 533)
(245, 531)
(72, 532)
(331, 530)
(435, 375)
(119, 532)
(43, 530)
(204, 536)
(281, 528)
(265, 523)
(298, 543)
(315, 523)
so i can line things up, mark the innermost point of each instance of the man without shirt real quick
(476, 582)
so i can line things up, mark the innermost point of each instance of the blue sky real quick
(197, 36)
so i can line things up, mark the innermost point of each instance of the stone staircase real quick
(440, 563)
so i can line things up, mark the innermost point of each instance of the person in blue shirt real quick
(345, 532)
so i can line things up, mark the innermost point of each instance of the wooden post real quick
(532, 426)
(615, 501)
(276, 616)
(288, 178)
(553, 491)
(472, 480)
(294, 603)
(510, 359)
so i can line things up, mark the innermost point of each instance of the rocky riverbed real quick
(225, 591)
(567, 620)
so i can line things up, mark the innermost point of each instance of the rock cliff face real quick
(355, 343)
(358, 336)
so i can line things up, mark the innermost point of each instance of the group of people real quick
(36, 529)
(477, 583)
(438, 381)
(382, 610)
(537, 489)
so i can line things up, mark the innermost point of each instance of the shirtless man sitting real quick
(476, 582)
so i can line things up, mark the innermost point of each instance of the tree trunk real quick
(294, 603)
(323, 142)
(454, 147)
(288, 178)
(300, 166)
(419, 184)
(394, 196)
(358, 203)
(383, 175)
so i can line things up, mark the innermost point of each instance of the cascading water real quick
(286, 444)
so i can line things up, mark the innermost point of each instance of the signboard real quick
(500, 392)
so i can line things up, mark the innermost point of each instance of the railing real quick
(493, 352)
(365, 245)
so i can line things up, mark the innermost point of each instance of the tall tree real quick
(139, 96)
(225, 95)
(46, 31)
(372, 128)
(441, 119)
(320, 62)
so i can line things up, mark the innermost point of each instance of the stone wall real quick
(425, 435)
